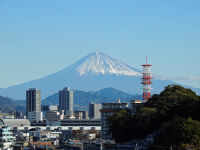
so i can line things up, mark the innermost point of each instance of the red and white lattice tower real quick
(146, 81)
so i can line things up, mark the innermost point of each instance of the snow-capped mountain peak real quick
(100, 63)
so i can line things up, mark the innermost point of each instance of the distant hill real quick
(82, 99)
(113, 94)
(9, 105)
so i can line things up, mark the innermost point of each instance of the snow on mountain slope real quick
(100, 63)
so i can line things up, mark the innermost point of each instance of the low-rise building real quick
(6, 115)
(81, 122)
(6, 137)
(78, 115)
(81, 114)
(35, 116)
(53, 118)
(6, 134)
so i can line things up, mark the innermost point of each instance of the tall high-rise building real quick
(33, 104)
(66, 101)
(94, 111)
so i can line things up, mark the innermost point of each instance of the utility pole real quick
(46, 146)
(136, 148)
(101, 146)
(188, 147)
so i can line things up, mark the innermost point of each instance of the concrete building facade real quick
(6, 137)
(94, 111)
(53, 118)
(81, 114)
(6, 134)
(33, 104)
(66, 101)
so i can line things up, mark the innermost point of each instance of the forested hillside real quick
(173, 115)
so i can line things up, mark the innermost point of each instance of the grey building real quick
(66, 101)
(94, 111)
(82, 114)
(33, 104)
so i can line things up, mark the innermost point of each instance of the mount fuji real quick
(93, 72)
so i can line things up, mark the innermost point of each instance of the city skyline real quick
(39, 38)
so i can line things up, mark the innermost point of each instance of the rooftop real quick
(16, 122)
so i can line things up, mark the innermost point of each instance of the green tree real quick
(178, 132)
(120, 126)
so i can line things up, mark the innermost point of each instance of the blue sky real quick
(41, 37)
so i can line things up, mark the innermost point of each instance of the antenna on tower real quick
(146, 60)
